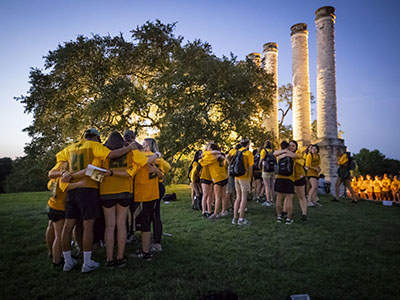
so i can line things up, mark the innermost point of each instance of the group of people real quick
(377, 188)
(120, 181)
(274, 176)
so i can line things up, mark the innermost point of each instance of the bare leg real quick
(289, 205)
(58, 227)
(87, 241)
(243, 204)
(218, 198)
(146, 235)
(206, 192)
(50, 236)
(110, 220)
(312, 196)
(66, 234)
(122, 213)
(279, 198)
(301, 194)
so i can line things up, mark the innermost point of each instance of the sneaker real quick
(335, 200)
(120, 263)
(212, 217)
(154, 249)
(234, 221)
(243, 222)
(223, 214)
(288, 221)
(131, 238)
(310, 204)
(266, 203)
(109, 264)
(279, 219)
(304, 218)
(68, 267)
(317, 204)
(142, 255)
(59, 265)
(89, 268)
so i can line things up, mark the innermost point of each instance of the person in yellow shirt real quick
(84, 202)
(344, 175)
(369, 183)
(267, 164)
(146, 194)
(206, 187)
(116, 195)
(378, 188)
(362, 187)
(284, 185)
(299, 179)
(194, 180)
(56, 210)
(395, 186)
(215, 161)
(150, 145)
(386, 184)
(354, 186)
(242, 183)
(313, 167)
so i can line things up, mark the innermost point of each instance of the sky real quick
(367, 41)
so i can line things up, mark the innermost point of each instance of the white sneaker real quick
(233, 221)
(243, 222)
(88, 268)
(310, 204)
(223, 214)
(68, 267)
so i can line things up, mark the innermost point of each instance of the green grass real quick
(342, 252)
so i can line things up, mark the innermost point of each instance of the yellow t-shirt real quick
(395, 185)
(313, 161)
(218, 171)
(369, 185)
(386, 183)
(343, 160)
(80, 154)
(248, 160)
(192, 174)
(299, 171)
(163, 165)
(354, 185)
(146, 184)
(205, 174)
(57, 194)
(377, 186)
(118, 187)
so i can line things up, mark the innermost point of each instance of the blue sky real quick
(367, 43)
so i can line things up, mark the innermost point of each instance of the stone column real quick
(255, 57)
(327, 131)
(301, 85)
(271, 66)
(326, 73)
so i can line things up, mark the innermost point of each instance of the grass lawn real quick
(343, 251)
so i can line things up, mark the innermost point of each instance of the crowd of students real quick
(268, 174)
(119, 182)
(377, 188)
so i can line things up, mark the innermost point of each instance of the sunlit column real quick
(301, 85)
(326, 73)
(255, 57)
(271, 66)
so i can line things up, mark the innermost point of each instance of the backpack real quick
(236, 167)
(256, 162)
(285, 166)
(351, 164)
(269, 162)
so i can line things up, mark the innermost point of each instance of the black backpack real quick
(269, 162)
(236, 167)
(351, 164)
(256, 162)
(285, 166)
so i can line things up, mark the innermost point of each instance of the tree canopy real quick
(182, 92)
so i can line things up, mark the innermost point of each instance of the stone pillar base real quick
(328, 152)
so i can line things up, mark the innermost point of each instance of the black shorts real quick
(55, 215)
(108, 203)
(387, 194)
(284, 186)
(309, 177)
(344, 174)
(300, 182)
(143, 214)
(222, 182)
(83, 203)
(205, 181)
(257, 175)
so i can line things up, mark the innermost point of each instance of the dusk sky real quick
(367, 51)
